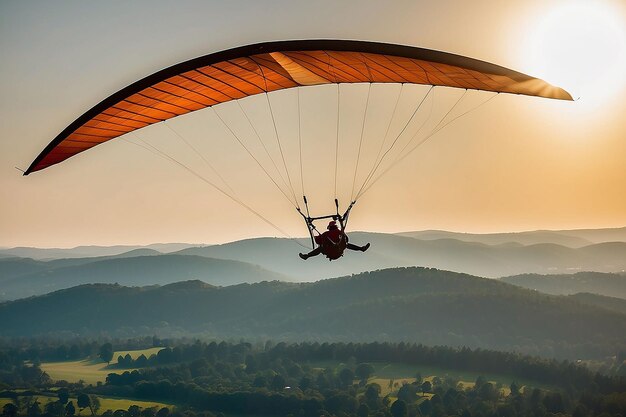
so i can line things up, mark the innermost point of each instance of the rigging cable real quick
(377, 165)
(280, 148)
(153, 149)
(337, 140)
(215, 171)
(262, 142)
(358, 155)
(300, 144)
(232, 132)
(431, 134)
(382, 143)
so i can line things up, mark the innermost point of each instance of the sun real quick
(581, 46)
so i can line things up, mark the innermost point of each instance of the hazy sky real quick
(517, 163)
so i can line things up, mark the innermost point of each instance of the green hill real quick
(610, 303)
(406, 304)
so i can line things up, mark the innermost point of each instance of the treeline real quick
(334, 379)
(45, 349)
(563, 373)
(283, 379)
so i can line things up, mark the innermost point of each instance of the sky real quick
(516, 163)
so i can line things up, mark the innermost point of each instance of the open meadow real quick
(91, 371)
(106, 403)
(391, 376)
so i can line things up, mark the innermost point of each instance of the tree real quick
(372, 394)
(33, 409)
(278, 382)
(305, 383)
(54, 409)
(346, 376)
(408, 393)
(83, 401)
(134, 411)
(163, 412)
(363, 371)
(149, 412)
(9, 410)
(141, 361)
(95, 404)
(399, 409)
(64, 395)
(426, 387)
(106, 352)
(363, 410)
(70, 410)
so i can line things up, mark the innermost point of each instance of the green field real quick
(400, 373)
(137, 353)
(91, 371)
(105, 404)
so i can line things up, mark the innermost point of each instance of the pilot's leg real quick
(358, 248)
(314, 252)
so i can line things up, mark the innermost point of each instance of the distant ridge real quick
(131, 271)
(280, 257)
(574, 238)
(390, 250)
(87, 251)
(611, 285)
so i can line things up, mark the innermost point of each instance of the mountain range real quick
(23, 278)
(571, 238)
(255, 260)
(402, 304)
(388, 250)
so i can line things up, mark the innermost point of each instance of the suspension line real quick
(337, 139)
(215, 171)
(262, 142)
(166, 156)
(358, 155)
(377, 164)
(232, 132)
(427, 137)
(300, 144)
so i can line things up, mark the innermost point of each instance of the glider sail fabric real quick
(254, 69)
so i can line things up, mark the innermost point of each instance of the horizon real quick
(307, 238)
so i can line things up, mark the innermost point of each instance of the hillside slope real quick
(610, 303)
(407, 304)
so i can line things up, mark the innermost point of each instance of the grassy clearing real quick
(105, 404)
(400, 373)
(137, 353)
(91, 371)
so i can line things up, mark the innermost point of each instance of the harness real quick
(333, 250)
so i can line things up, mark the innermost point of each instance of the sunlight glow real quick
(581, 46)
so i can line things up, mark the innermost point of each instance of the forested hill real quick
(610, 303)
(612, 285)
(406, 304)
